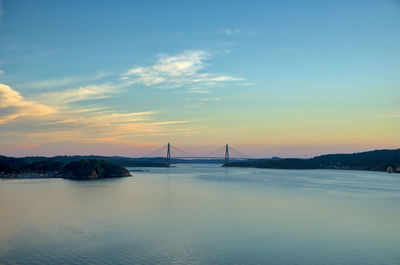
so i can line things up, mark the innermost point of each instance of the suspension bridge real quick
(169, 152)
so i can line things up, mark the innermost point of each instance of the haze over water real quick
(203, 213)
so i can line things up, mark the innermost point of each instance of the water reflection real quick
(203, 214)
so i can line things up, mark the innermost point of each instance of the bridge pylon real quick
(226, 153)
(168, 153)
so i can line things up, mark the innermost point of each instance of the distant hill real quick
(378, 160)
(39, 167)
(15, 165)
(49, 166)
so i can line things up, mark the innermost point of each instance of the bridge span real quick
(169, 151)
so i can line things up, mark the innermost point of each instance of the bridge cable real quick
(155, 151)
(238, 152)
(180, 150)
(220, 150)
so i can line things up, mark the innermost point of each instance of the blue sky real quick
(288, 78)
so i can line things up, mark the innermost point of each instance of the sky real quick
(270, 78)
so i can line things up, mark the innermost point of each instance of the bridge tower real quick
(169, 153)
(226, 153)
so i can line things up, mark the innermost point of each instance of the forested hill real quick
(378, 160)
(119, 160)
(39, 164)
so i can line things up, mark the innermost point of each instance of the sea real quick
(203, 214)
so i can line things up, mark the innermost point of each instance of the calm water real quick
(204, 214)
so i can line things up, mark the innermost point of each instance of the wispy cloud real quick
(48, 123)
(64, 81)
(56, 117)
(202, 99)
(199, 90)
(197, 102)
(1, 72)
(185, 69)
(13, 106)
(230, 31)
(78, 94)
(210, 99)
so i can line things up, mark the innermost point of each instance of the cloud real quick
(78, 94)
(236, 32)
(210, 99)
(199, 90)
(1, 72)
(28, 120)
(230, 32)
(185, 69)
(63, 82)
(13, 106)
(53, 116)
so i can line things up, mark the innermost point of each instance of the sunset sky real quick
(271, 78)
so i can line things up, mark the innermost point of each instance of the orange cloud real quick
(39, 123)
(13, 106)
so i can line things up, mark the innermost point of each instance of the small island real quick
(71, 167)
(93, 169)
